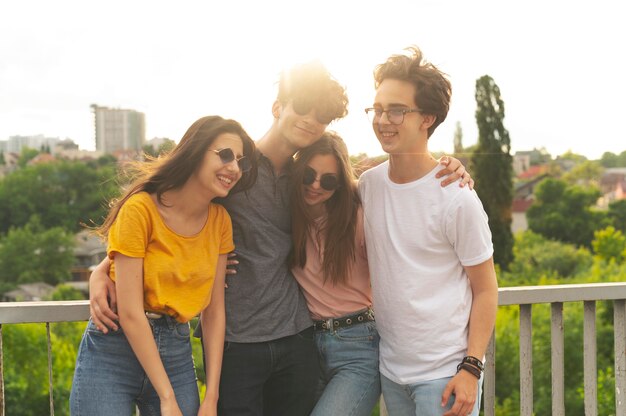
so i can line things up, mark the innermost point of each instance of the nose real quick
(380, 119)
(233, 166)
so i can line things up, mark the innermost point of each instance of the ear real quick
(429, 120)
(277, 108)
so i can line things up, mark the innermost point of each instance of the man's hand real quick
(464, 386)
(454, 170)
(102, 298)
(231, 263)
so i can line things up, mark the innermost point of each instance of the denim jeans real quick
(349, 380)
(420, 399)
(109, 380)
(272, 378)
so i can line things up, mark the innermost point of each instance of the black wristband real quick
(473, 361)
(475, 371)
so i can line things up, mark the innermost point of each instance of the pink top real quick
(325, 300)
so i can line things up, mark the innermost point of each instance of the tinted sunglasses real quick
(227, 156)
(302, 108)
(328, 181)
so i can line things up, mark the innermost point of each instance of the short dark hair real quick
(432, 87)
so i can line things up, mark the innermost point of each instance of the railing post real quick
(590, 359)
(489, 391)
(1, 375)
(557, 359)
(619, 331)
(526, 360)
(50, 388)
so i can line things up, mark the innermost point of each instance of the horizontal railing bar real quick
(561, 293)
(44, 311)
(60, 311)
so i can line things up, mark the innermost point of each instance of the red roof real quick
(521, 205)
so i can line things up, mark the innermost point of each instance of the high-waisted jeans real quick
(109, 380)
(350, 382)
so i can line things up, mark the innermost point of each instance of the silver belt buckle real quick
(153, 315)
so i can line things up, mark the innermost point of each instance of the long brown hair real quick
(339, 230)
(174, 169)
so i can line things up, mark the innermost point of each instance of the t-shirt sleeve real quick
(129, 233)
(226, 244)
(467, 229)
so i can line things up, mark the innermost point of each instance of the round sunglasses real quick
(328, 181)
(227, 156)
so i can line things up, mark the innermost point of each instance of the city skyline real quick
(557, 65)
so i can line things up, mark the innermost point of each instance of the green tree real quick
(492, 167)
(617, 214)
(67, 292)
(26, 156)
(26, 367)
(537, 259)
(166, 147)
(33, 254)
(458, 139)
(63, 194)
(609, 244)
(2, 160)
(586, 173)
(564, 212)
(609, 160)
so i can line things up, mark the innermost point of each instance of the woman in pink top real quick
(329, 261)
(330, 264)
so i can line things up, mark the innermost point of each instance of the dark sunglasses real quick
(328, 181)
(302, 108)
(227, 155)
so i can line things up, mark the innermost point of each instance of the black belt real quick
(345, 321)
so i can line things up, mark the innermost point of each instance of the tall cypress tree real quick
(492, 168)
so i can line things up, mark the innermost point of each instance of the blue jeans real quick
(272, 378)
(420, 399)
(109, 380)
(349, 380)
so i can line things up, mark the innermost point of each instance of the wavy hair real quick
(339, 229)
(432, 88)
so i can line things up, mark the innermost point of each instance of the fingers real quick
(465, 390)
(231, 262)
(102, 315)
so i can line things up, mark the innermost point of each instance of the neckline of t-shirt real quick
(156, 212)
(429, 176)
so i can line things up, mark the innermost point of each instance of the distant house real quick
(41, 158)
(89, 250)
(28, 292)
(519, 221)
(524, 195)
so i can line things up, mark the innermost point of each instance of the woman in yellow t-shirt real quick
(167, 243)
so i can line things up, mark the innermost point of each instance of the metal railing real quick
(525, 297)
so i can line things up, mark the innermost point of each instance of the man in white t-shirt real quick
(434, 285)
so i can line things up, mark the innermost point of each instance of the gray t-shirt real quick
(263, 300)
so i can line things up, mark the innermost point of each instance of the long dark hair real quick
(339, 230)
(174, 169)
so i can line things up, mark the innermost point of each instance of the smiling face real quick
(298, 130)
(409, 137)
(314, 195)
(216, 177)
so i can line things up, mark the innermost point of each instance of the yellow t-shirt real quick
(178, 271)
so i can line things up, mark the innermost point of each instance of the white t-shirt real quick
(419, 236)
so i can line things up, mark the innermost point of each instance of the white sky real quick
(558, 63)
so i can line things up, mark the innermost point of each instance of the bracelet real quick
(473, 361)
(475, 371)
